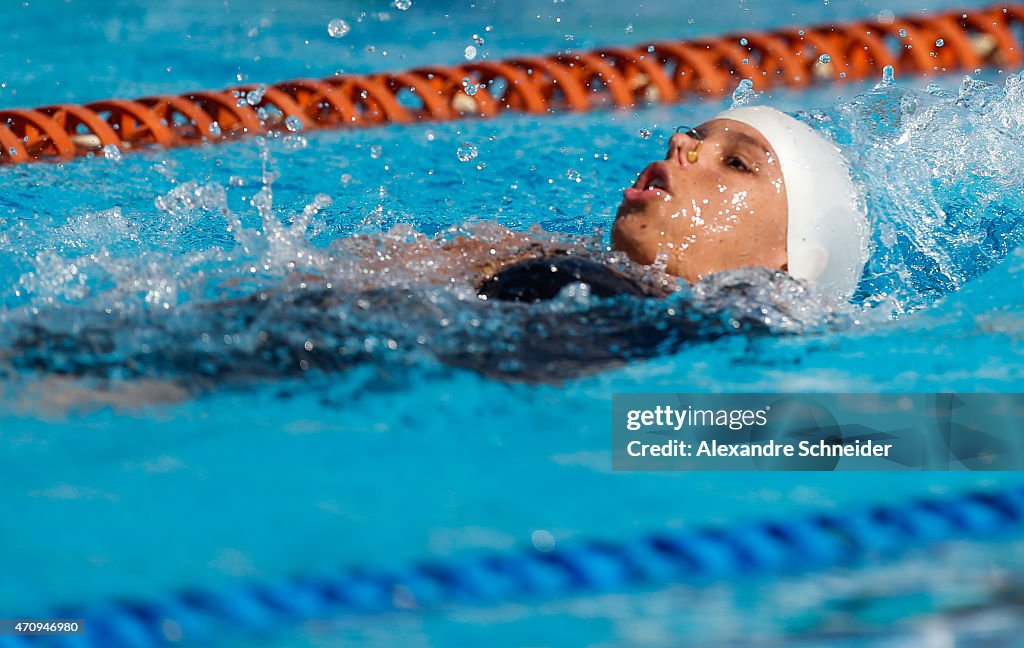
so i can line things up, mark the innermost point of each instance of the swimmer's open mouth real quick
(652, 183)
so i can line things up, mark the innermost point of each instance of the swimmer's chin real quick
(623, 241)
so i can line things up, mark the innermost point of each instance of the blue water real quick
(140, 477)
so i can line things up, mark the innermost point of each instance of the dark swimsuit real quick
(540, 279)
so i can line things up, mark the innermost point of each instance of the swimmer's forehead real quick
(736, 133)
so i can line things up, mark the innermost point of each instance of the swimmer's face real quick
(726, 210)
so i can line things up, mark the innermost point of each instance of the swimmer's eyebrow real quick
(743, 139)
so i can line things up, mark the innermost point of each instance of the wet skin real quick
(726, 210)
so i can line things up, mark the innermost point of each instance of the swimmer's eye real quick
(737, 163)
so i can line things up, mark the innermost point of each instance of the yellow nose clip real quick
(691, 156)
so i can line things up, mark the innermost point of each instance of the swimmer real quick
(751, 187)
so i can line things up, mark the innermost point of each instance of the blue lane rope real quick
(689, 556)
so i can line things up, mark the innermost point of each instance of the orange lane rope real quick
(614, 76)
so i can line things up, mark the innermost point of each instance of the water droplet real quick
(295, 142)
(470, 53)
(650, 49)
(824, 59)
(255, 96)
(743, 42)
(645, 133)
(466, 152)
(629, 28)
(573, 175)
(338, 28)
(888, 74)
(13, 151)
(542, 540)
(903, 33)
(940, 43)
(346, 178)
(215, 129)
(293, 123)
(403, 5)
(743, 93)
(111, 152)
(376, 150)
(469, 87)
(236, 181)
(478, 39)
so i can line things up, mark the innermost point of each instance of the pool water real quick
(132, 469)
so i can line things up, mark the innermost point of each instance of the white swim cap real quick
(828, 233)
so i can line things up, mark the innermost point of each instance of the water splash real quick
(941, 173)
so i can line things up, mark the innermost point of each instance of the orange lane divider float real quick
(615, 76)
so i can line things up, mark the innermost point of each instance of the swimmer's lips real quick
(652, 183)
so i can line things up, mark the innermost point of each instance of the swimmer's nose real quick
(679, 145)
